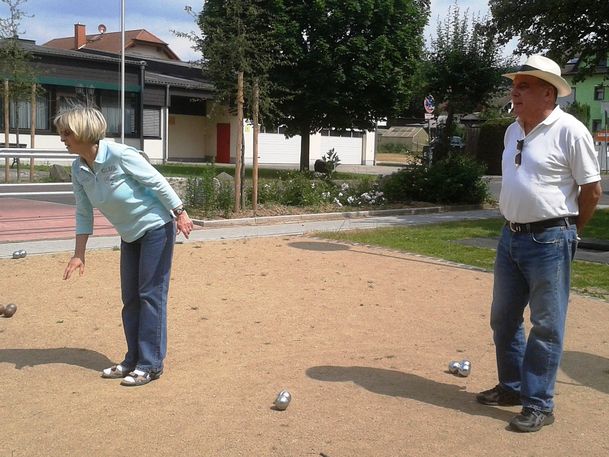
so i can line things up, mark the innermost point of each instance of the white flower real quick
(350, 200)
(340, 194)
(344, 186)
(337, 202)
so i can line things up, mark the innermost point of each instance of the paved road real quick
(223, 230)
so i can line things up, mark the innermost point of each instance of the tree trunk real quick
(7, 132)
(239, 141)
(255, 104)
(18, 160)
(305, 141)
(33, 130)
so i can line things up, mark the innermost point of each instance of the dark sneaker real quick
(531, 420)
(499, 396)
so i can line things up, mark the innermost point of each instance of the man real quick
(550, 188)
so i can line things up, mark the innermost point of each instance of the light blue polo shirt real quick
(129, 191)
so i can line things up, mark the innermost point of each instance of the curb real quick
(265, 220)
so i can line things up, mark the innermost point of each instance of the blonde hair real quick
(87, 124)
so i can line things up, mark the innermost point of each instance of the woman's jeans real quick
(533, 268)
(145, 272)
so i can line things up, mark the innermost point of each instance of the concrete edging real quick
(265, 220)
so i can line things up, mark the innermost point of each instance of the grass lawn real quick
(438, 240)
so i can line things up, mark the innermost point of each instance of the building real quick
(138, 43)
(412, 138)
(592, 91)
(170, 111)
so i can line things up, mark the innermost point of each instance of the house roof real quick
(403, 132)
(572, 67)
(111, 42)
(184, 76)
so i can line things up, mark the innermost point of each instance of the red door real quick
(223, 143)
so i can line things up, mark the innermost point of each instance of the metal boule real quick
(465, 369)
(10, 309)
(283, 400)
(454, 366)
(16, 254)
(22, 253)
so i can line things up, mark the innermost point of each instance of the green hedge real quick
(456, 179)
(490, 144)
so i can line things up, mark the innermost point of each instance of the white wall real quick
(275, 148)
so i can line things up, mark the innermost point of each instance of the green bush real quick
(208, 194)
(303, 189)
(394, 148)
(456, 179)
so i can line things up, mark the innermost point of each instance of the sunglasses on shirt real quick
(518, 156)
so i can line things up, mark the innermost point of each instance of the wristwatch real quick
(178, 211)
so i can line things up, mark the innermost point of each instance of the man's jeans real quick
(145, 274)
(533, 268)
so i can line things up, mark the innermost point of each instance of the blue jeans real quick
(145, 271)
(533, 269)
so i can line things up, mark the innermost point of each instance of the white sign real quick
(428, 116)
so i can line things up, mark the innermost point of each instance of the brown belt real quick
(540, 226)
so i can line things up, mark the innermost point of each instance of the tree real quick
(239, 36)
(465, 69)
(563, 28)
(350, 63)
(15, 65)
(320, 63)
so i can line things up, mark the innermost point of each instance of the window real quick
(596, 125)
(599, 93)
(152, 122)
(23, 111)
(110, 106)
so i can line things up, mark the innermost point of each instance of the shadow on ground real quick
(85, 358)
(398, 384)
(589, 370)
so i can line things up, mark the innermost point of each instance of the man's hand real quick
(589, 196)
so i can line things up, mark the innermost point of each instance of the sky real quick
(56, 18)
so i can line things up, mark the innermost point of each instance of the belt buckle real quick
(515, 228)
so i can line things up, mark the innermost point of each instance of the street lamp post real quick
(122, 123)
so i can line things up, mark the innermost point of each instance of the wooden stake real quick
(7, 133)
(256, 96)
(239, 141)
(33, 130)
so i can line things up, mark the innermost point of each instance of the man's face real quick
(531, 96)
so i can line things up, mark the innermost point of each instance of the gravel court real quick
(360, 336)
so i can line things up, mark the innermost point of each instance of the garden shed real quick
(411, 137)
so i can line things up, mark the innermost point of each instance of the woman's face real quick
(72, 144)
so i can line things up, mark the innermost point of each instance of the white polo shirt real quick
(558, 156)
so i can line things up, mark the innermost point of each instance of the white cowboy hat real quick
(543, 68)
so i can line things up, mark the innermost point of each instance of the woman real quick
(145, 211)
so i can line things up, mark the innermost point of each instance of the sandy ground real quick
(360, 336)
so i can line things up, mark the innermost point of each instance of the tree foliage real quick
(325, 63)
(562, 28)
(465, 67)
(239, 35)
(15, 61)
